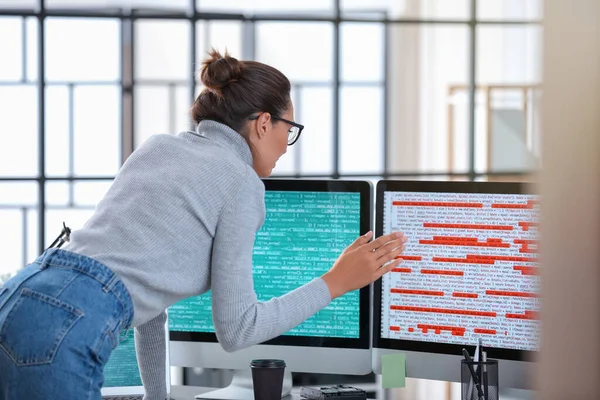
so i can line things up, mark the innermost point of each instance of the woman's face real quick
(269, 140)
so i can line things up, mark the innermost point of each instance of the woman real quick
(179, 219)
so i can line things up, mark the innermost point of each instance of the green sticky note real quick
(393, 370)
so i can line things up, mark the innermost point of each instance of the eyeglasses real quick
(293, 133)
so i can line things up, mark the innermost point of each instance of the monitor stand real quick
(241, 387)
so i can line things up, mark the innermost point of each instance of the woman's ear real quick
(263, 124)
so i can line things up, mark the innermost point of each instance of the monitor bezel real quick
(365, 189)
(442, 187)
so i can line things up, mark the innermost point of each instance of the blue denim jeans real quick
(60, 319)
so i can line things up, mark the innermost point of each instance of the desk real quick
(188, 392)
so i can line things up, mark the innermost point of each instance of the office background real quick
(417, 89)
(429, 89)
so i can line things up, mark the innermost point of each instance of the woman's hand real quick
(362, 262)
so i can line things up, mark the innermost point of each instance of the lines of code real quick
(122, 367)
(303, 234)
(470, 269)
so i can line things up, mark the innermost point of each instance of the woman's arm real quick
(240, 319)
(151, 353)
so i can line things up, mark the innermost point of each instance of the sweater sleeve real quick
(240, 319)
(150, 348)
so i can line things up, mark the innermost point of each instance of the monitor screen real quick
(121, 373)
(307, 226)
(122, 366)
(469, 271)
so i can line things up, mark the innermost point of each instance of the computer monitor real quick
(469, 272)
(308, 224)
(122, 377)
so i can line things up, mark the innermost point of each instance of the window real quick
(18, 130)
(318, 7)
(18, 214)
(410, 9)
(508, 98)
(384, 91)
(507, 10)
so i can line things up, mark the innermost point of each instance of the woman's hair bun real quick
(219, 71)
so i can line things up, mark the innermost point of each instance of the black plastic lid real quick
(267, 363)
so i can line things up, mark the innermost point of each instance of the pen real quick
(477, 357)
(475, 380)
(480, 346)
(485, 375)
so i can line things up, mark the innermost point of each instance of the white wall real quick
(569, 367)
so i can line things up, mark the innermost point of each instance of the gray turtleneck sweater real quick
(179, 219)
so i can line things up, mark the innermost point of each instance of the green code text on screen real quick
(303, 235)
(122, 367)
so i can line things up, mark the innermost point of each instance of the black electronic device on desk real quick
(333, 392)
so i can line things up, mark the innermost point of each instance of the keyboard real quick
(128, 397)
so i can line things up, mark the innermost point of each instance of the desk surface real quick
(188, 392)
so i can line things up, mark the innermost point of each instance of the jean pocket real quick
(35, 327)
